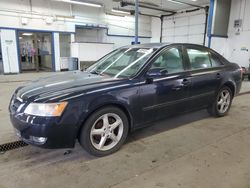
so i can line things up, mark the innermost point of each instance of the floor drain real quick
(12, 145)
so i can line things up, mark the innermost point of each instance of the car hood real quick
(61, 85)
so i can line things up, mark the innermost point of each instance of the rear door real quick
(206, 75)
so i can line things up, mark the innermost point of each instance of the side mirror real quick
(152, 73)
(149, 80)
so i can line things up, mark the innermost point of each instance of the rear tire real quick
(104, 132)
(222, 103)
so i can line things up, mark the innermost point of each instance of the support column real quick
(9, 51)
(136, 20)
(56, 46)
(210, 22)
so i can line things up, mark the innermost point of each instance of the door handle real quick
(185, 82)
(218, 76)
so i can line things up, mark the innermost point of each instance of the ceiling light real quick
(193, 0)
(81, 3)
(27, 34)
(177, 2)
(118, 15)
(120, 11)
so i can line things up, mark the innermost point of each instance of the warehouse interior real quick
(43, 38)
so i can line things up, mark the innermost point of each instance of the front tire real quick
(222, 102)
(104, 132)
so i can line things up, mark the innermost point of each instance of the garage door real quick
(184, 28)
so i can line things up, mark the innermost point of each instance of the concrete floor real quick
(192, 150)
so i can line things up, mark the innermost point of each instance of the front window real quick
(168, 62)
(122, 63)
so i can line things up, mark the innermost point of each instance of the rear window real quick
(199, 59)
(202, 59)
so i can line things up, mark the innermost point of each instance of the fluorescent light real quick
(81, 3)
(194, 0)
(118, 15)
(177, 2)
(27, 34)
(120, 11)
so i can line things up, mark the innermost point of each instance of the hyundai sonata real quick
(127, 89)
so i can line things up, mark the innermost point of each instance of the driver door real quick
(166, 89)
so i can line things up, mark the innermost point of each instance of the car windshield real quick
(122, 63)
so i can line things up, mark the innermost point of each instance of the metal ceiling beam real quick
(150, 15)
(189, 4)
(127, 3)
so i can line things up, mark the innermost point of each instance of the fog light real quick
(38, 140)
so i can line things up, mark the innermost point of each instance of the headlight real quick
(46, 109)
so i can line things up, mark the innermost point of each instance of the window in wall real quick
(64, 45)
(90, 35)
(169, 61)
(199, 59)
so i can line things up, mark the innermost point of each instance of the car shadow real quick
(167, 124)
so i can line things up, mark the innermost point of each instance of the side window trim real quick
(211, 55)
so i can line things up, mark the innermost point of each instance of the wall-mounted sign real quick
(244, 49)
(9, 42)
(237, 23)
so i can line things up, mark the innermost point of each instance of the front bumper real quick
(44, 132)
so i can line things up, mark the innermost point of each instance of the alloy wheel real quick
(223, 101)
(106, 131)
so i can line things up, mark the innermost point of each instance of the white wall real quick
(234, 47)
(9, 51)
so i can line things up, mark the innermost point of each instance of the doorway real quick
(35, 51)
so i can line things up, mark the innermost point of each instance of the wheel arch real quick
(110, 104)
(231, 86)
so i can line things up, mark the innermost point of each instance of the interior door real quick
(166, 90)
(206, 75)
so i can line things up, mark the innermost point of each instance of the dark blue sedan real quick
(127, 89)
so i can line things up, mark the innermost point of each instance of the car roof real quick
(159, 45)
(149, 45)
